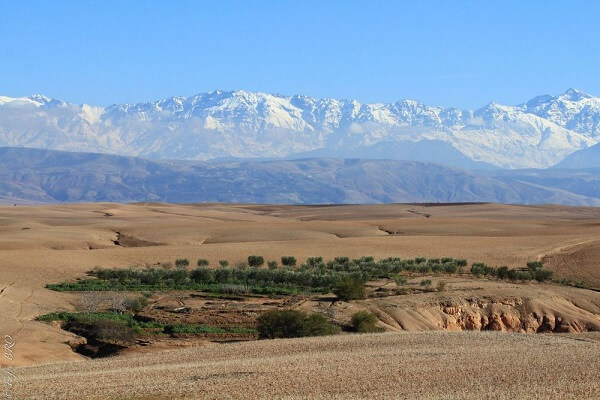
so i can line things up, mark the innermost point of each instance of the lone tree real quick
(256, 261)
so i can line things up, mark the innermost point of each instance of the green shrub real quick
(256, 261)
(350, 288)
(315, 261)
(318, 325)
(342, 260)
(224, 263)
(524, 276)
(136, 304)
(272, 264)
(292, 323)
(288, 261)
(502, 272)
(424, 269)
(441, 286)
(450, 268)
(542, 275)
(533, 265)
(203, 262)
(365, 322)
(425, 282)
(182, 262)
(197, 329)
(202, 275)
(400, 280)
(113, 331)
(479, 269)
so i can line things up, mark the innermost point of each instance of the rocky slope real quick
(481, 305)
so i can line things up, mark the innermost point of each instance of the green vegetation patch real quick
(293, 323)
(139, 326)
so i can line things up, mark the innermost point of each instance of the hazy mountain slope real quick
(34, 175)
(586, 158)
(406, 150)
(583, 182)
(243, 124)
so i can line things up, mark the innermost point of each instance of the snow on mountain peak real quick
(574, 95)
(240, 123)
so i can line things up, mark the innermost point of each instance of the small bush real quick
(479, 269)
(272, 264)
(256, 261)
(450, 268)
(350, 288)
(524, 276)
(365, 322)
(203, 262)
(114, 331)
(292, 323)
(542, 275)
(136, 304)
(202, 275)
(288, 261)
(182, 262)
(425, 282)
(224, 263)
(314, 261)
(441, 286)
(461, 263)
(533, 265)
(502, 272)
(400, 280)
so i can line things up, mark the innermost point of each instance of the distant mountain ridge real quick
(241, 124)
(45, 176)
(586, 158)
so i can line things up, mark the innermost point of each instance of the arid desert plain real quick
(475, 337)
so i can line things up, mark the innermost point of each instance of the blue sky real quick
(463, 53)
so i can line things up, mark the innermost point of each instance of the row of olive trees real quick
(253, 261)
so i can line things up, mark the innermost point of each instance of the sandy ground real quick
(434, 365)
(44, 244)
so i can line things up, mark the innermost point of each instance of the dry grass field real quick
(49, 244)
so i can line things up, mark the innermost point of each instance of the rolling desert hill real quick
(50, 244)
(53, 243)
(43, 176)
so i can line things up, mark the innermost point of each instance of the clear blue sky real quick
(461, 53)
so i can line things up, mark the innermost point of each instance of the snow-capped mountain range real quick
(240, 124)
